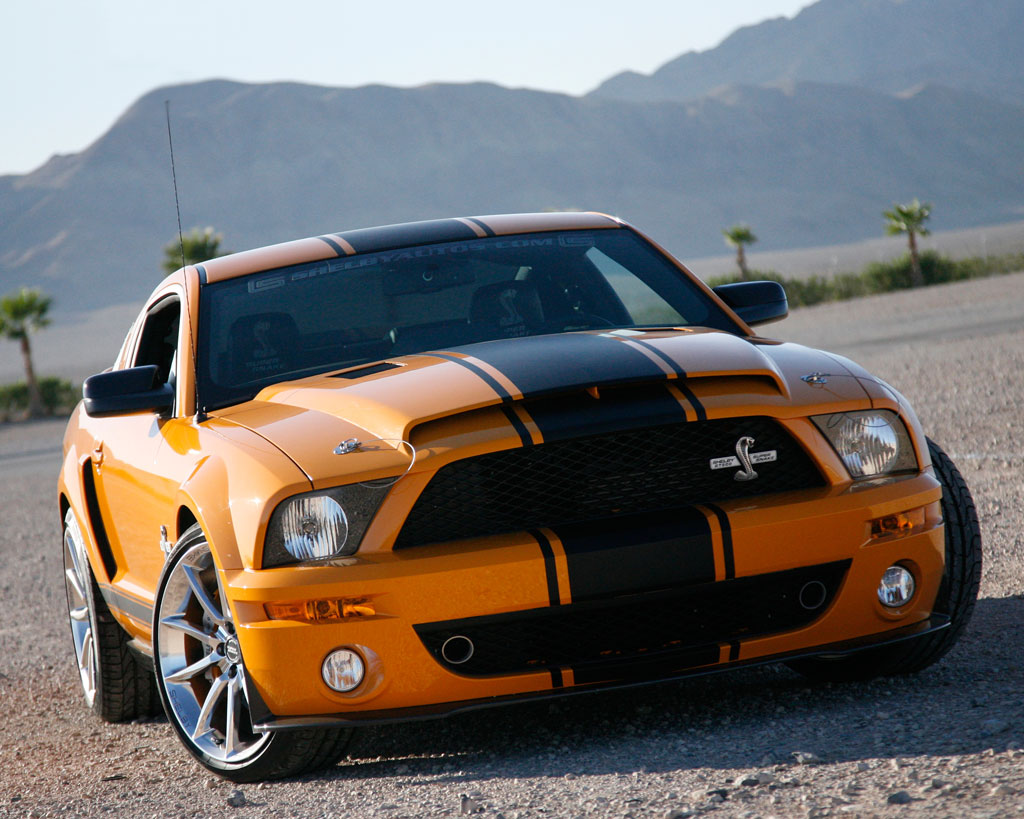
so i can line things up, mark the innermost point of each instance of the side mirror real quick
(755, 302)
(120, 392)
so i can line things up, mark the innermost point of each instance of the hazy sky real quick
(69, 67)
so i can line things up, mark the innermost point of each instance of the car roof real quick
(390, 237)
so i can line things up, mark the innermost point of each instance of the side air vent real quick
(99, 531)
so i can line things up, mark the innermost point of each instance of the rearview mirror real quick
(755, 302)
(120, 392)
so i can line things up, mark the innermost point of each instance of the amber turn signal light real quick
(900, 524)
(330, 610)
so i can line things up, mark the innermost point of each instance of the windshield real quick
(316, 317)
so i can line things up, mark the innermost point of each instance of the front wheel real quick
(202, 682)
(958, 592)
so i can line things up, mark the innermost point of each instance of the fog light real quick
(896, 588)
(343, 670)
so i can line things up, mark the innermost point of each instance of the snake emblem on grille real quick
(747, 473)
(745, 459)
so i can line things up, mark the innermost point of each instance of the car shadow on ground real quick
(967, 703)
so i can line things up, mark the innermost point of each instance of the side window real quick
(158, 341)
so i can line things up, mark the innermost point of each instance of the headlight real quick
(320, 525)
(870, 442)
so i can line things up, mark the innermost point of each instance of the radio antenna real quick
(174, 177)
(186, 308)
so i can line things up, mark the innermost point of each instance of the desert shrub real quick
(59, 396)
(881, 277)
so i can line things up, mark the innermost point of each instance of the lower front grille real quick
(637, 634)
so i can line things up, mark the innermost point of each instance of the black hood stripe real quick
(637, 553)
(672, 363)
(518, 425)
(543, 365)
(698, 407)
(492, 382)
(579, 414)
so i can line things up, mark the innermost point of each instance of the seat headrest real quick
(512, 308)
(261, 345)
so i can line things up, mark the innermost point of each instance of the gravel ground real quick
(756, 743)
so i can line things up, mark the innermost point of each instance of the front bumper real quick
(516, 576)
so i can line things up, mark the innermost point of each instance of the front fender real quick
(233, 489)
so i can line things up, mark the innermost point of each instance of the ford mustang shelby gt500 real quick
(405, 471)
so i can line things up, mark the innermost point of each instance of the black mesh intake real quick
(636, 635)
(602, 476)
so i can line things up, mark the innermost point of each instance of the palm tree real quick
(909, 219)
(738, 236)
(21, 313)
(196, 246)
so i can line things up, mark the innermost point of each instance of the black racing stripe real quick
(550, 571)
(202, 273)
(485, 228)
(637, 553)
(370, 240)
(333, 245)
(129, 605)
(647, 668)
(556, 678)
(679, 371)
(698, 407)
(541, 365)
(579, 414)
(734, 650)
(723, 522)
(517, 422)
(492, 382)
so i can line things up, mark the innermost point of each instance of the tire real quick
(957, 594)
(116, 686)
(200, 676)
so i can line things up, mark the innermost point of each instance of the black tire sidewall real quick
(253, 768)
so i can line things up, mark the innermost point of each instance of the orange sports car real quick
(404, 471)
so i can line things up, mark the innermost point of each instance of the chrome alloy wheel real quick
(77, 577)
(200, 662)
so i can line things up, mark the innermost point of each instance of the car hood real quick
(383, 402)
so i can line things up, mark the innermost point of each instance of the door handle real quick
(97, 455)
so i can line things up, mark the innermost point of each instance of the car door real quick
(136, 473)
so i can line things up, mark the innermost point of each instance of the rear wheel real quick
(202, 682)
(958, 592)
(116, 686)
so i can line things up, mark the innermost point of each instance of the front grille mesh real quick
(601, 476)
(652, 633)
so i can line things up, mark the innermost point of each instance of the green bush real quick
(58, 395)
(895, 275)
(881, 277)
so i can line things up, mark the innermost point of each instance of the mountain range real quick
(806, 128)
